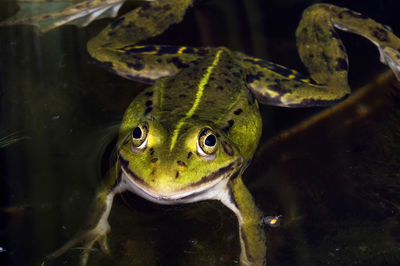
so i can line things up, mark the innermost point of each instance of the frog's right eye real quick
(139, 137)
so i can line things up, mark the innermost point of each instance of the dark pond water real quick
(336, 182)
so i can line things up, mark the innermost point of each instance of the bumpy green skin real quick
(197, 88)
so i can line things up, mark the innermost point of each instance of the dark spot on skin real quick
(117, 22)
(159, 60)
(148, 110)
(151, 151)
(129, 25)
(177, 174)
(341, 64)
(149, 103)
(177, 62)
(325, 57)
(236, 74)
(228, 127)
(145, 10)
(137, 66)
(380, 34)
(46, 16)
(154, 160)
(227, 148)
(279, 88)
(251, 78)
(182, 95)
(238, 111)
(311, 56)
(319, 32)
(145, 6)
(181, 163)
(220, 88)
(149, 93)
(189, 155)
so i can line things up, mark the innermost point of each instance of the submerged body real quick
(190, 136)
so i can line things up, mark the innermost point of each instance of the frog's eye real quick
(139, 137)
(207, 144)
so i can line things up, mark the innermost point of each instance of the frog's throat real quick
(209, 187)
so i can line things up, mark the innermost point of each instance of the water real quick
(336, 184)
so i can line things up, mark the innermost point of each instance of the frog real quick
(191, 135)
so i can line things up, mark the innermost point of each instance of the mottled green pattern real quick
(324, 55)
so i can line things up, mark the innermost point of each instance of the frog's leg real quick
(324, 55)
(252, 238)
(116, 47)
(98, 226)
(80, 14)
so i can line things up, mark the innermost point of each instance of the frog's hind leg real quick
(324, 55)
(116, 47)
(321, 49)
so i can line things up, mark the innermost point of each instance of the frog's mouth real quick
(207, 188)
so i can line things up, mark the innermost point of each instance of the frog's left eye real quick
(207, 144)
(139, 137)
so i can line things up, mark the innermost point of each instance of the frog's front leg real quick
(252, 238)
(98, 226)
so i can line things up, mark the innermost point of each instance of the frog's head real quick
(184, 164)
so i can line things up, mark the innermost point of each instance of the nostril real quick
(181, 165)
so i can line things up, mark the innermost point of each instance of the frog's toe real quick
(391, 57)
(88, 238)
(51, 16)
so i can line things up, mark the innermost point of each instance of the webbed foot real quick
(88, 238)
(390, 57)
(97, 233)
(52, 15)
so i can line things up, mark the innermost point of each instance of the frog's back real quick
(208, 92)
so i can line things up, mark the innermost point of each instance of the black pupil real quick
(210, 141)
(137, 133)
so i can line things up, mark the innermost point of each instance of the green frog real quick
(190, 136)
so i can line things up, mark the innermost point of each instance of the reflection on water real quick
(335, 183)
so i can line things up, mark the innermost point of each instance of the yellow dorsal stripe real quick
(199, 95)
